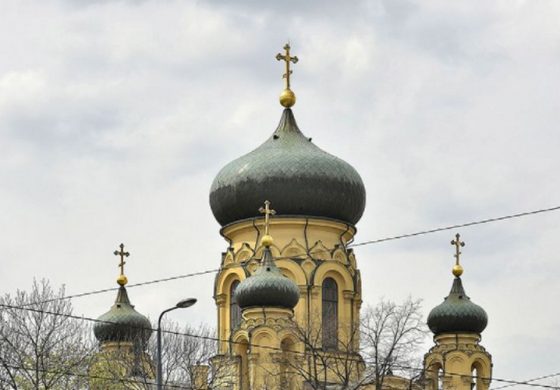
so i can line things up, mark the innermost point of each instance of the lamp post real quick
(180, 305)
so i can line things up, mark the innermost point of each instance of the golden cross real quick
(458, 244)
(288, 58)
(122, 254)
(267, 211)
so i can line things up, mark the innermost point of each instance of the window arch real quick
(475, 379)
(234, 309)
(330, 314)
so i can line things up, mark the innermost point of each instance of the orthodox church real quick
(288, 293)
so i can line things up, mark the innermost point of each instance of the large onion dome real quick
(267, 287)
(457, 314)
(289, 170)
(122, 322)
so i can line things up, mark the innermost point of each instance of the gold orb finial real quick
(287, 97)
(267, 241)
(122, 280)
(457, 268)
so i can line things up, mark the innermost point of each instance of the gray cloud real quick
(116, 115)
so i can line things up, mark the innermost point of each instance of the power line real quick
(509, 381)
(369, 242)
(92, 376)
(94, 292)
(529, 380)
(435, 230)
(516, 383)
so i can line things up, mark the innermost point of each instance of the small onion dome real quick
(457, 314)
(122, 322)
(288, 169)
(267, 287)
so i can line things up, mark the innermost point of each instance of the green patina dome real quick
(122, 322)
(267, 287)
(457, 313)
(293, 173)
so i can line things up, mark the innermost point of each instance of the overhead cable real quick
(435, 230)
(253, 345)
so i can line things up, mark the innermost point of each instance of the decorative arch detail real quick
(286, 336)
(240, 336)
(228, 258)
(263, 335)
(244, 253)
(226, 278)
(340, 256)
(352, 259)
(336, 271)
(293, 270)
(294, 249)
(273, 249)
(320, 251)
(481, 363)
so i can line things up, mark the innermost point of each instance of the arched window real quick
(288, 365)
(474, 379)
(330, 314)
(234, 309)
(434, 377)
(480, 375)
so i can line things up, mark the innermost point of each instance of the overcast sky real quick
(115, 116)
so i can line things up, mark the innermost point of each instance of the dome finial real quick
(122, 280)
(287, 97)
(457, 268)
(457, 314)
(267, 211)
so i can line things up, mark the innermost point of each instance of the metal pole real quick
(159, 369)
(180, 305)
(159, 361)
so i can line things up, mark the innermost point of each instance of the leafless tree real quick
(185, 353)
(306, 364)
(386, 344)
(391, 336)
(183, 349)
(41, 347)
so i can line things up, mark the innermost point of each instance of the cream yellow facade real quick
(308, 251)
(457, 361)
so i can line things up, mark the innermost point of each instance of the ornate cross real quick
(288, 58)
(267, 211)
(122, 254)
(458, 244)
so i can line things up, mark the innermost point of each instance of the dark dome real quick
(267, 287)
(123, 322)
(294, 174)
(457, 314)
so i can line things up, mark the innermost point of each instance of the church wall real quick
(307, 250)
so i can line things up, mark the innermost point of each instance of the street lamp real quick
(183, 304)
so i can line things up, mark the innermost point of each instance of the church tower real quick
(457, 360)
(267, 299)
(319, 198)
(123, 335)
